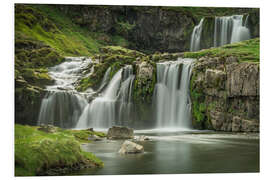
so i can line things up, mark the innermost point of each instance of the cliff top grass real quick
(245, 51)
(37, 151)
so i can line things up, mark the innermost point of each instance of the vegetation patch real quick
(115, 57)
(245, 51)
(37, 152)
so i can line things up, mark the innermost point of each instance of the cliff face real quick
(225, 94)
(147, 28)
(151, 29)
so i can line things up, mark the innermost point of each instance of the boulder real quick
(118, 132)
(129, 147)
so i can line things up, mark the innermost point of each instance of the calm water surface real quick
(179, 152)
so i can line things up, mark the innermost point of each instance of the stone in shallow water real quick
(129, 147)
(118, 132)
(143, 138)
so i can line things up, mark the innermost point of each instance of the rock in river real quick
(143, 138)
(129, 147)
(118, 132)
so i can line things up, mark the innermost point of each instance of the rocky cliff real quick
(225, 94)
(151, 29)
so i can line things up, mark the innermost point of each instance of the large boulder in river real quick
(129, 147)
(118, 132)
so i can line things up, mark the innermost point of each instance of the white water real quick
(196, 37)
(113, 106)
(227, 30)
(171, 96)
(63, 105)
(230, 29)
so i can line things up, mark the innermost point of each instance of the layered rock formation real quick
(225, 94)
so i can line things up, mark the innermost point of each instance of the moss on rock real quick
(115, 57)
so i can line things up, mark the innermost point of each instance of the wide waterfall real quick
(112, 103)
(196, 37)
(63, 105)
(113, 107)
(171, 96)
(227, 30)
(230, 29)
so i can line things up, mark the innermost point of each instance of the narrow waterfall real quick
(104, 80)
(230, 29)
(196, 37)
(61, 109)
(63, 105)
(113, 106)
(171, 95)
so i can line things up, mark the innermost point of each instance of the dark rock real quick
(94, 138)
(48, 128)
(117, 132)
(143, 138)
(90, 129)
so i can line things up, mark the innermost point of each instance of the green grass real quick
(63, 35)
(36, 151)
(245, 51)
(48, 24)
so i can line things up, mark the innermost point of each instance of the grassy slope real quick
(246, 51)
(36, 150)
(67, 38)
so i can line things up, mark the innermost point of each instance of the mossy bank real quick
(53, 152)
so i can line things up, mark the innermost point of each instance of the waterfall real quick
(171, 95)
(62, 105)
(113, 106)
(104, 80)
(61, 109)
(230, 29)
(196, 37)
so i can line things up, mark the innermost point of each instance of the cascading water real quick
(171, 96)
(227, 30)
(63, 105)
(113, 105)
(230, 29)
(196, 37)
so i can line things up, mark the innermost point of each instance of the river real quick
(179, 152)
